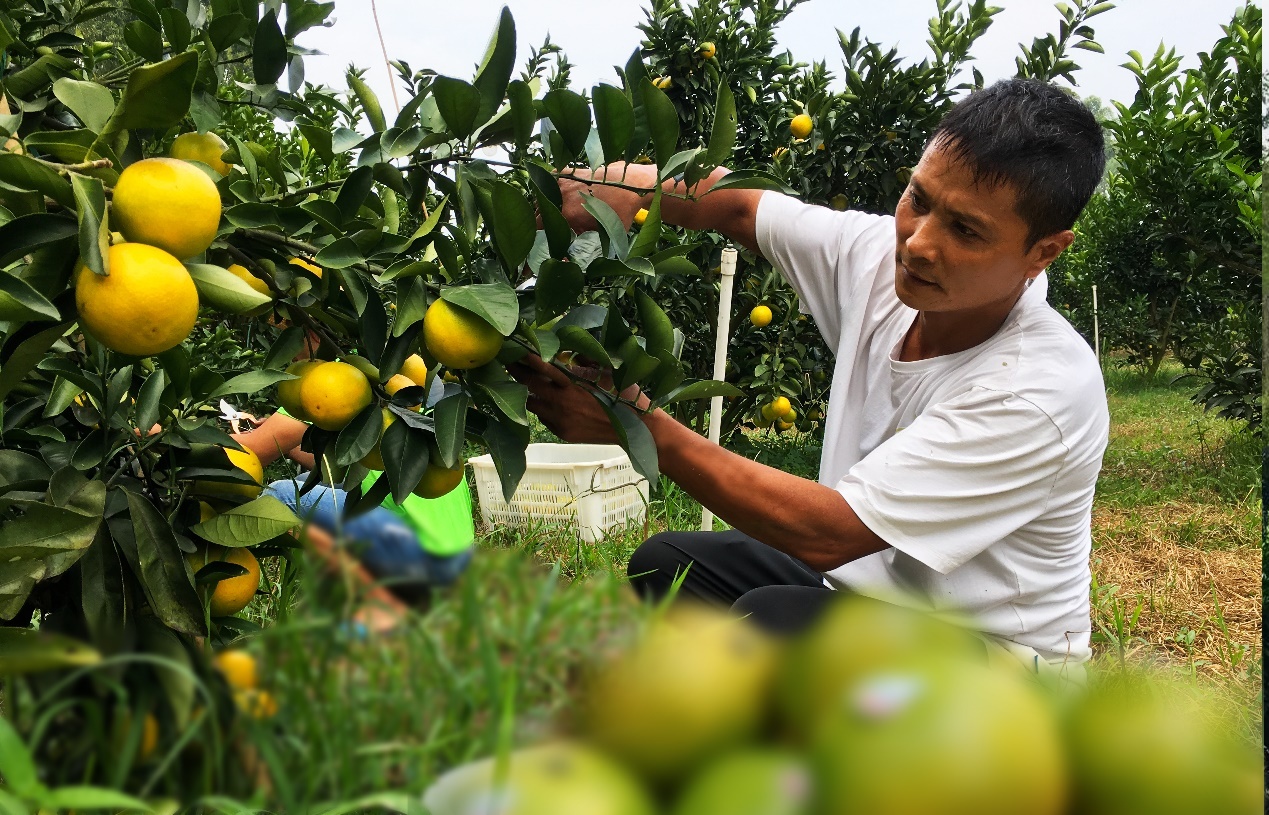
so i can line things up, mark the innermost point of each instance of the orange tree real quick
(862, 144)
(1173, 243)
(130, 522)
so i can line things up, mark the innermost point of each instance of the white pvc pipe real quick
(728, 269)
(1097, 339)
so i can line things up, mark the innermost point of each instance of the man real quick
(967, 420)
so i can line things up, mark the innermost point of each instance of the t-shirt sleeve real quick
(964, 475)
(830, 258)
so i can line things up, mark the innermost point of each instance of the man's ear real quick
(1045, 250)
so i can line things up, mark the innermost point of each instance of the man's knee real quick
(654, 565)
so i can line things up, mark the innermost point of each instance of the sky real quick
(450, 37)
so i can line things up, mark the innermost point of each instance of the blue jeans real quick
(389, 549)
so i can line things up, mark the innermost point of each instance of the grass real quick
(1176, 554)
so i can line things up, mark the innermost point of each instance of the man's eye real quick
(966, 231)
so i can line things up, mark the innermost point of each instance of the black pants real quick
(777, 591)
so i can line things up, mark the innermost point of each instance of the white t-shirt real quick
(977, 467)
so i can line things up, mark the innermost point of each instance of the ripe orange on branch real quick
(205, 147)
(457, 338)
(332, 393)
(231, 594)
(167, 203)
(801, 126)
(146, 305)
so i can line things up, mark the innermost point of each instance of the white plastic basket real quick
(592, 487)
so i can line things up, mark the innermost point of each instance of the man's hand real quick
(569, 409)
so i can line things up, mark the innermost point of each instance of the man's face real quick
(962, 247)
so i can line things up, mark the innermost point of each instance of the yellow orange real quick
(168, 203)
(801, 126)
(205, 147)
(438, 481)
(332, 393)
(146, 305)
(289, 390)
(415, 368)
(304, 264)
(244, 460)
(239, 668)
(251, 280)
(760, 316)
(232, 594)
(457, 338)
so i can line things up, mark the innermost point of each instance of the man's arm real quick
(731, 212)
(278, 436)
(795, 515)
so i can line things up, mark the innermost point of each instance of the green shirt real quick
(443, 525)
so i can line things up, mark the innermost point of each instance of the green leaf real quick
(570, 115)
(354, 191)
(405, 451)
(360, 435)
(495, 69)
(91, 103)
(658, 331)
(20, 302)
(252, 523)
(614, 119)
(750, 180)
(507, 442)
(677, 266)
(94, 233)
(649, 236)
(630, 267)
(411, 304)
(17, 580)
(509, 397)
(25, 173)
(25, 354)
(149, 399)
(523, 113)
(144, 39)
(458, 103)
(16, 764)
(249, 382)
(223, 290)
(27, 651)
(226, 30)
(575, 338)
(268, 52)
(559, 285)
(47, 532)
(146, 539)
(156, 96)
(635, 439)
(495, 303)
(617, 243)
(722, 137)
(451, 421)
(514, 225)
(701, 389)
(27, 233)
(340, 255)
(433, 218)
(177, 29)
(663, 122)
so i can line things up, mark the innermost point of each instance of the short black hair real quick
(1034, 137)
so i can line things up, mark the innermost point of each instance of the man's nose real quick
(920, 245)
